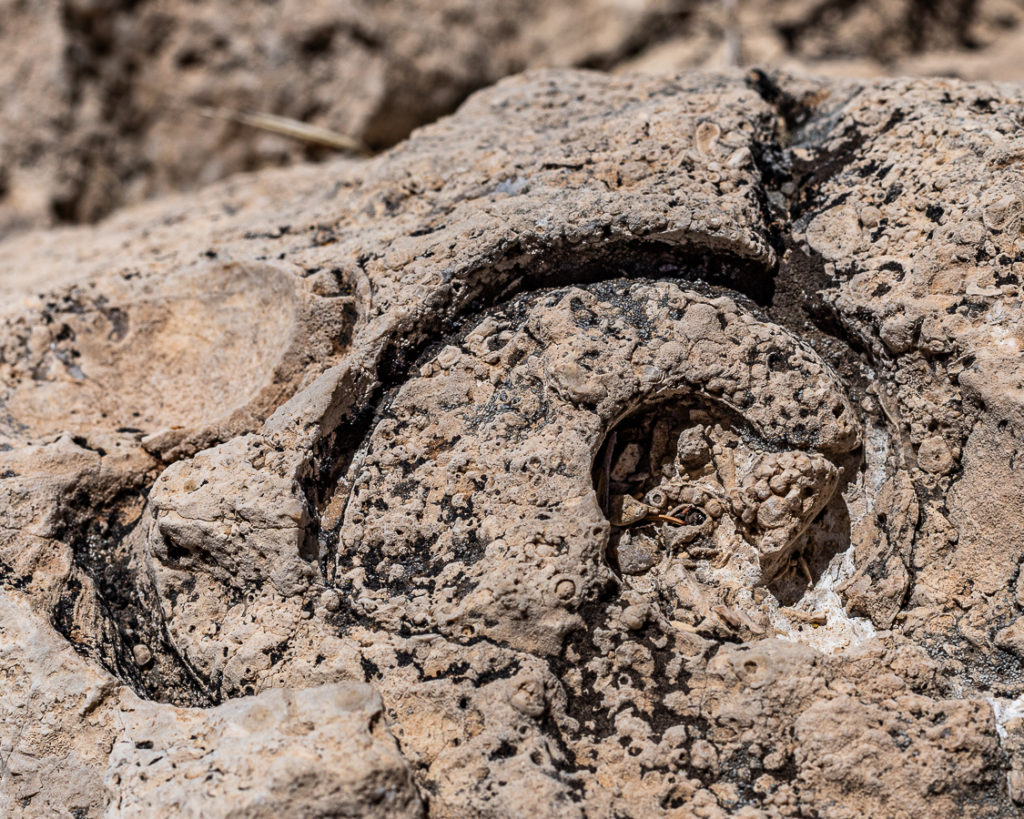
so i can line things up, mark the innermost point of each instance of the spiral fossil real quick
(579, 496)
(469, 520)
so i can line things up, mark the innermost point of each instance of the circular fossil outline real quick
(472, 507)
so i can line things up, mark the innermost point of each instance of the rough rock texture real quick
(970, 38)
(615, 447)
(315, 752)
(102, 101)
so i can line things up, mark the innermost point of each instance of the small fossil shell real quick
(715, 508)
(657, 498)
(565, 589)
(773, 513)
(634, 617)
(528, 697)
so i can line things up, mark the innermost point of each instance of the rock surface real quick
(969, 39)
(107, 102)
(615, 447)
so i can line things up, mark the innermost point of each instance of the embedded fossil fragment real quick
(697, 468)
(625, 509)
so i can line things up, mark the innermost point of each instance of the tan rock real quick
(348, 482)
(283, 753)
(1011, 638)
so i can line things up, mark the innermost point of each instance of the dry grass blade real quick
(289, 127)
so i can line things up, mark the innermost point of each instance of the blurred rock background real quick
(102, 101)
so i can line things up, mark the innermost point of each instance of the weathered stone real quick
(315, 470)
(106, 102)
(312, 752)
(110, 101)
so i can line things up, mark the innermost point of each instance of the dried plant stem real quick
(287, 127)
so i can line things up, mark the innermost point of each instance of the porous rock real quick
(781, 315)
(108, 102)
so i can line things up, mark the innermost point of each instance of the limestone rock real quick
(110, 101)
(107, 102)
(315, 752)
(316, 480)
